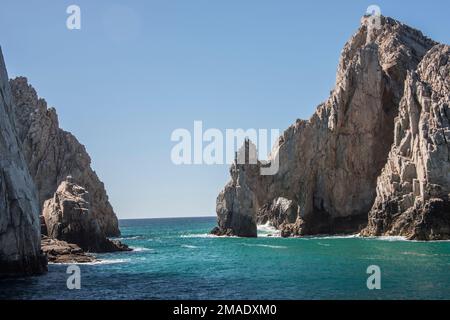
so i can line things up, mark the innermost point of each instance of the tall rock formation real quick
(53, 154)
(238, 198)
(329, 165)
(414, 188)
(20, 239)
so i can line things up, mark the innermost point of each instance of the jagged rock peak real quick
(53, 154)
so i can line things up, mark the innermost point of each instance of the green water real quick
(176, 259)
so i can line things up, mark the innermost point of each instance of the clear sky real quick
(137, 70)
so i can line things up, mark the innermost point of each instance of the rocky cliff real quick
(413, 190)
(20, 238)
(52, 154)
(330, 165)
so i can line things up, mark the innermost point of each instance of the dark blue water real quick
(175, 259)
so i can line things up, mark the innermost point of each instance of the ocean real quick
(177, 259)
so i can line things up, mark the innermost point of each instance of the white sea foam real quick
(276, 234)
(188, 246)
(128, 238)
(356, 236)
(267, 228)
(264, 246)
(324, 244)
(109, 261)
(350, 236)
(429, 241)
(140, 249)
(99, 262)
(203, 235)
(390, 238)
(410, 253)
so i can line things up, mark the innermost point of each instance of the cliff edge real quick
(20, 237)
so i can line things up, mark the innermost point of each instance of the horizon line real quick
(174, 217)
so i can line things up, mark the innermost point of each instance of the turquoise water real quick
(176, 259)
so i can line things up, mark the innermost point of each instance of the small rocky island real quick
(54, 207)
(374, 158)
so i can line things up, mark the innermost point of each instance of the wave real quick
(128, 238)
(349, 236)
(418, 254)
(140, 249)
(409, 253)
(268, 228)
(264, 246)
(203, 235)
(324, 244)
(389, 238)
(187, 246)
(324, 237)
(99, 262)
(355, 236)
(108, 261)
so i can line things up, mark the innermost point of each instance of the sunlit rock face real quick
(20, 238)
(332, 167)
(69, 217)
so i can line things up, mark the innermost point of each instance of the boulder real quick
(70, 217)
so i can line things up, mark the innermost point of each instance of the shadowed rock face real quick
(329, 165)
(20, 238)
(53, 154)
(68, 217)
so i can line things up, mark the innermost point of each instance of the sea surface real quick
(177, 259)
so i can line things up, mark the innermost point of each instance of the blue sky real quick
(137, 70)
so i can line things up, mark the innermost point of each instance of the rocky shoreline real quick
(62, 252)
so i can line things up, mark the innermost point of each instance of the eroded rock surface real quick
(20, 249)
(52, 154)
(62, 252)
(237, 202)
(414, 188)
(69, 217)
